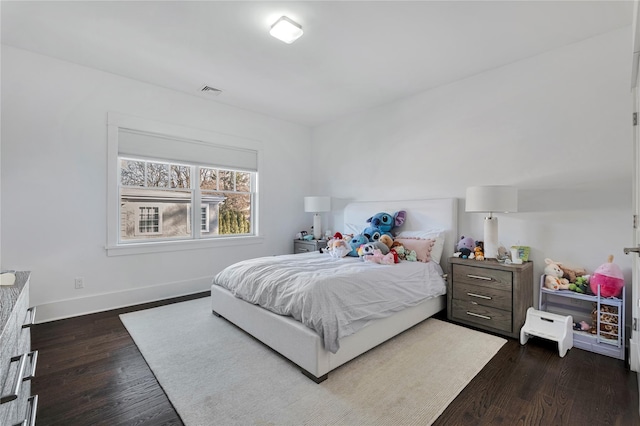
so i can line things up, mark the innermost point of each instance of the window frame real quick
(114, 247)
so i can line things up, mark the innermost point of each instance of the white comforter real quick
(334, 297)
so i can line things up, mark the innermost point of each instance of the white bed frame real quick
(304, 346)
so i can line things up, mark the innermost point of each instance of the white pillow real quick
(351, 228)
(434, 234)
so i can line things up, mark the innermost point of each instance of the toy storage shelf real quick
(580, 307)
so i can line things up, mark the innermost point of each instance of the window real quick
(156, 179)
(156, 200)
(149, 221)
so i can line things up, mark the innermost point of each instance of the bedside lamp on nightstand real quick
(317, 205)
(491, 199)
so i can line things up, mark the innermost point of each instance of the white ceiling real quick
(353, 55)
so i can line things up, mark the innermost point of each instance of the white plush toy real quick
(553, 276)
(337, 248)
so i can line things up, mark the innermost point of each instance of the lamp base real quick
(317, 226)
(490, 237)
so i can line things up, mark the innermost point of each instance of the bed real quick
(309, 349)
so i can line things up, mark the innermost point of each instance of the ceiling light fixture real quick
(286, 30)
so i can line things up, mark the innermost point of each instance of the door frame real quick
(634, 344)
(634, 341)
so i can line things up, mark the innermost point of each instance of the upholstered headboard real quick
(422, 215)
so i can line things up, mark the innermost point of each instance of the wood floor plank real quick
(90, 372)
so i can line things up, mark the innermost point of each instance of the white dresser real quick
(17, 361)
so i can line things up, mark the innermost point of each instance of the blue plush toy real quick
(385, 222)
(372, 233)
(356, 242)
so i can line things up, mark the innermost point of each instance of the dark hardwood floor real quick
(90, 372)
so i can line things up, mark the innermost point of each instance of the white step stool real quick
(558, 328)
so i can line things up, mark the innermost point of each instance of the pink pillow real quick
(421, 246)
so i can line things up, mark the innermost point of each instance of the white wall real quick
(54, 170)
(557, 126)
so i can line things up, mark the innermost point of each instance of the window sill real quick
(169, 246)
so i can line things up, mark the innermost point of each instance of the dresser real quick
(17, 361)
(489, 295)
(307, 246)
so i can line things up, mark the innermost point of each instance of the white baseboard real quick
(106, 301)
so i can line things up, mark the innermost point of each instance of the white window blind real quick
(136, 143)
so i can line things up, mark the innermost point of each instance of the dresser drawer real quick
(483, 277)
(483, 316)
(490, 295)
(484, 296)
(17, 363)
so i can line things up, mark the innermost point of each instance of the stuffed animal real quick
(368, 248)
(372, 233)
(609, 278)
(355, 243)
(411, 256)
(571, 274)
(553, 276)
(581, 285)
(403, 253)
(478, 254)
(581, 326)
(386, 222)
(608, 321)
(376, 256)
(337, 247)
(387, 240)
(465, 247)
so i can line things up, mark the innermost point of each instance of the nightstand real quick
(304, 246)
(490, 295)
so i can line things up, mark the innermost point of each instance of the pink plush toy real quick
(378, 257)
(610, 279)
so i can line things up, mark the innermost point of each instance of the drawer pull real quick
(479, 296)
(34, 361)
(303, 250)
(478, 315)
(32, 317)
(479, 277)
(20, 377)
(30, 416)
(18, 380)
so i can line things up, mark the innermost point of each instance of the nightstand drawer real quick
(484, 296)
(304, 246)
(483, 277)
(483, 316)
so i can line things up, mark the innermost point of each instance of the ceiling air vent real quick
(211, 90)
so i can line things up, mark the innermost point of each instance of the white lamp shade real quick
(317, 204)
(491, 199)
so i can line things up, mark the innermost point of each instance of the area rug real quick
(216, 374)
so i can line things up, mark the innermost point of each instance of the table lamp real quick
(491, 199)
(317, 205)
